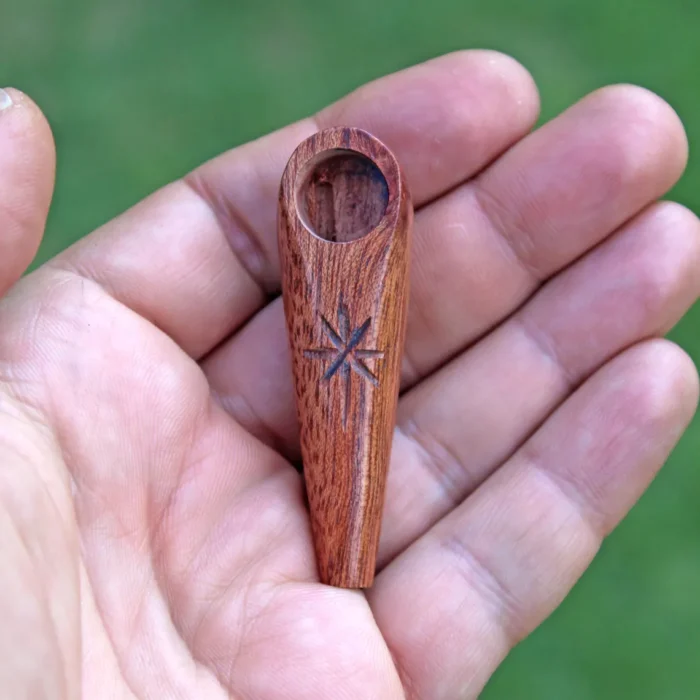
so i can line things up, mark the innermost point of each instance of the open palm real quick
(154, 537)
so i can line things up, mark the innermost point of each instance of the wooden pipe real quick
(344, 228)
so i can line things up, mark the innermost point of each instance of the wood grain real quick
(345, 218)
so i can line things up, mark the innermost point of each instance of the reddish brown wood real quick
(345, 219)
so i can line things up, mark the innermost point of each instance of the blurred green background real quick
(140, 91)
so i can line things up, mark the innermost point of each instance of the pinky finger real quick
(27, 166)
(498, 565)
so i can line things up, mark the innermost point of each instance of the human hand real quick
(154, 537)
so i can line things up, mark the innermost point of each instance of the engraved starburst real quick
(345, 356)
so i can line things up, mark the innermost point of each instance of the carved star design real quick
(345, 356)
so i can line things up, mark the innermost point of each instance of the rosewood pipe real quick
(344, 231)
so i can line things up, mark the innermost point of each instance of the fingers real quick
(459, 425)
(560, 191)
(27, 163)
(496, 567)
(199, 257)
(556, 194)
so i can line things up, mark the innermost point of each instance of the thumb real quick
(27, 168)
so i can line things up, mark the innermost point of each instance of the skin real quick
(154, 541)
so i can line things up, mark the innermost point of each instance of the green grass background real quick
(140, 91)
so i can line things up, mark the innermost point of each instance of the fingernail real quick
(5, 100)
